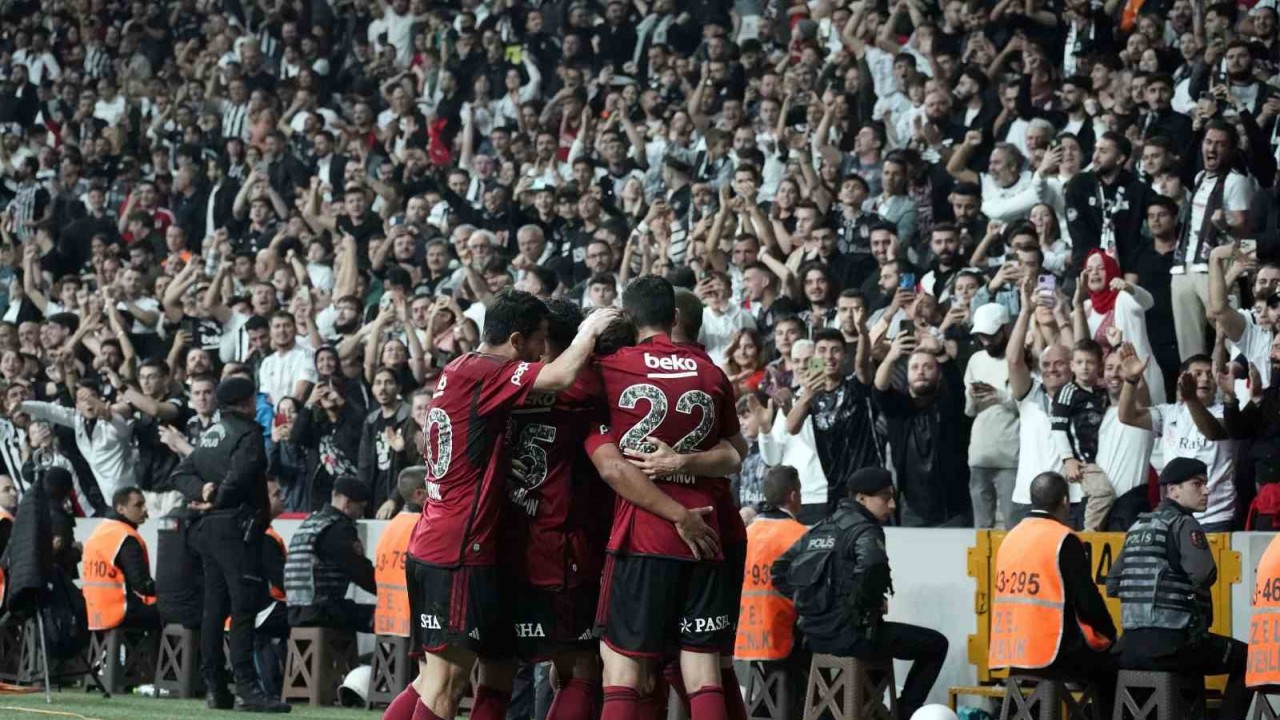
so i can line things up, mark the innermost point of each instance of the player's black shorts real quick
(653, 606)
(734, 568)
(546, 621)
(461, 607)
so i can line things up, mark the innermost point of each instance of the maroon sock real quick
(707, 703)
(676, 680)
(573, 702)
(734, 708)
(422, 712)
(620, 703)
(490, 704)
(403, 706)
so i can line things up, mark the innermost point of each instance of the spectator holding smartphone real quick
(993, 441)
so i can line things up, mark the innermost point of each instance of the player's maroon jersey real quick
(674, 393)
(550, 511)
(466, 458)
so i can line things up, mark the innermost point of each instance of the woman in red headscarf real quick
(1111, 310)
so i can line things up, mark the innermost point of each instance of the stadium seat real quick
(1262, 707)
(846, 688)
(1028, 697)
(178, 664)
(768, 692)
(125, 657)
(392, 669)
(1145, 695)
(318, 659)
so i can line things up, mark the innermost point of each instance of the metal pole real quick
(44, 652)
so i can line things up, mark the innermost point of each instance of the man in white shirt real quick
(1252, 340)
(993, 442)
(1191, 429)
(290, 370)
(720, 318)
(1035, 399)
(1220, 200)
(1124, 452)
(103, 438)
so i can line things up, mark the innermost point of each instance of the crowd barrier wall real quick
(942, 580)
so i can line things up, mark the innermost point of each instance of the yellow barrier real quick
(1101, 549)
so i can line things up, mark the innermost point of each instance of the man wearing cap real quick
(838, 576)
(224, 477)
(993, 442)
(1163, 577)
(325, 556)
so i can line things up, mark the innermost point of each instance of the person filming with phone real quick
(993, 443)
(926, 432)
(840, 406)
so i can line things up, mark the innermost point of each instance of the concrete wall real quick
(931, 582)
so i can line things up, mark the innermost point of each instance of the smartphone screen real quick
(907, 281)
(1047, 284)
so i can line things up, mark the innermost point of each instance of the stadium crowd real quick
(966, 242)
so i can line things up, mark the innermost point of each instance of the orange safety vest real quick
(1029, 609)
(4, 515)
(277, 593)
(105, 593)
(391, 617)
(1264, 627)
(767, 617)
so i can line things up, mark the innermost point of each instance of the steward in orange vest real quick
(118, 589)
(391, 616)
(1264, 628)
(1047, 614)
(767, 618)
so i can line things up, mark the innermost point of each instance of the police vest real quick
(391, 616)
(767, 617)
(4, 515)
(1155, 593)
(1028, 613)
(309, 579)
(106, 596)
(1264, 628)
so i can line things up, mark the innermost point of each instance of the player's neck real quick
(505, 350)
(645, 333)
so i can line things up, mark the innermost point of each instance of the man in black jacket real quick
(838, 576)
(225, 478)
(325, 557)
(1106, 205)
(382, 444)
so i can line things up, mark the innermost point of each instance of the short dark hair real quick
(651, 302)
(830, 334)
(121, 495)
(1090, 346)
(546, 277)
(257, 322)
(1048, 490)
(1122, 143)
(563, 319)
(1196, 359)
(779, 482)
(689, 312)
(511, 312)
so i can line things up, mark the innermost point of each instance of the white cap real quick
(1263, 5)
(934, 712)
(989, 318)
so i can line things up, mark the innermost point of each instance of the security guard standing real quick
(392, 614)
(225, 478)
(1048, 616)
(838, 576)
(766, 621)
(325, 556)
(1163, 577)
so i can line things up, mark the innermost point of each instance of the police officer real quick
(1162, 578)
(325, 556)
(224, 477)
(838, 576)
(1047, 614)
